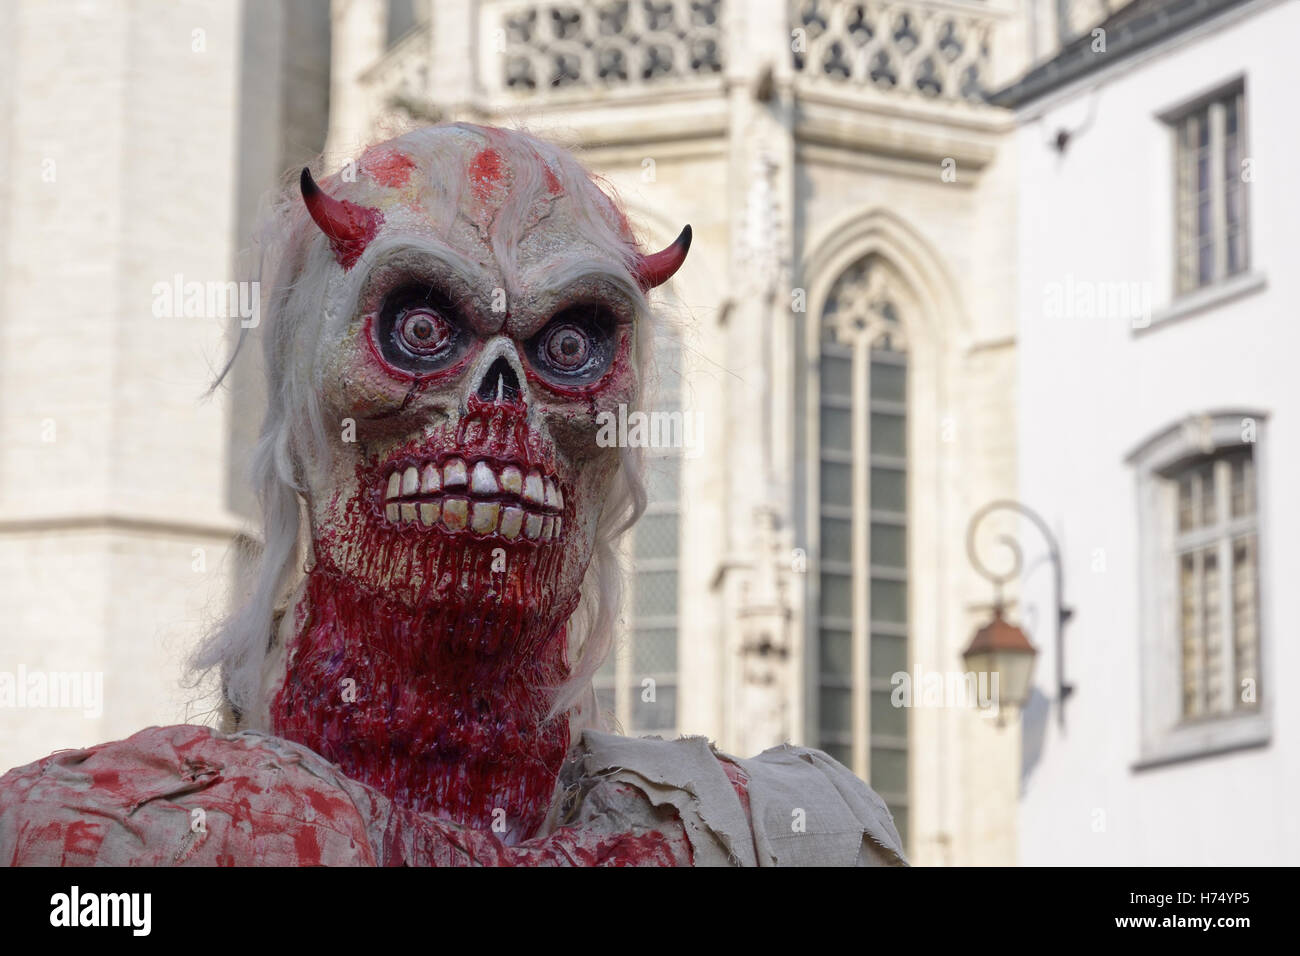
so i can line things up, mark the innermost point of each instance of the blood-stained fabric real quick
(190, 796)
(789, 806)
(184, 795)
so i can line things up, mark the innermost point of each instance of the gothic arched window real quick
(861, 606)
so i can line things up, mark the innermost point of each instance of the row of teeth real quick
(480, 517)
(535, 490)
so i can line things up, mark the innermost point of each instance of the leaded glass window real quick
(1211, 175)
(1216, 550)
(862, 582)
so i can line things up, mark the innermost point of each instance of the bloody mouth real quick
(486, 497)
(438, 599)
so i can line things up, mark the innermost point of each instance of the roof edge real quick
(1128, 32)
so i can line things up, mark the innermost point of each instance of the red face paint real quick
(486, 175)
(553, 184)
(388, 167)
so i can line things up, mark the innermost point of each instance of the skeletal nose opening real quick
(500, 384)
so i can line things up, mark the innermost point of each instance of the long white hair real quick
(246, 649)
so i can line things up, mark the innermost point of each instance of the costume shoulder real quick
(809, 809)
(799, 807)
(184, 795)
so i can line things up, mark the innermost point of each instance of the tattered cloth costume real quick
(447, 322)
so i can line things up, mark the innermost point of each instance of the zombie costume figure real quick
(445, 322)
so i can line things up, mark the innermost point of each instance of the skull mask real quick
(476, 301)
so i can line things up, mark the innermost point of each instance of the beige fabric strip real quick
(806, 809)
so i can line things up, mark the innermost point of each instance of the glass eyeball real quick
(424, 331)
(576, 347)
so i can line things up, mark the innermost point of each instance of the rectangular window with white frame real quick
(1211, 173)
(1202, 638)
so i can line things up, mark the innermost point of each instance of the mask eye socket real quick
(576, 347)
(418, 331)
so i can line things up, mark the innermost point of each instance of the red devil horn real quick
(348, 227)
(658, 268)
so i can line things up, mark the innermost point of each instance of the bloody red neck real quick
(443, 709)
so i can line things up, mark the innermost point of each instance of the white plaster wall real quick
(1091, 391)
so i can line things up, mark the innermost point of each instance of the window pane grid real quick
(1245, 616)
(862, 561)
(654, 652)
(1216, 551)
(1210, 202)
(1193, 673)
(1212, 629)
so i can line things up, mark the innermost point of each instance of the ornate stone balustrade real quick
(934, 48)
(540, 48)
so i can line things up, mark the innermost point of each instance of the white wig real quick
(247, 647)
